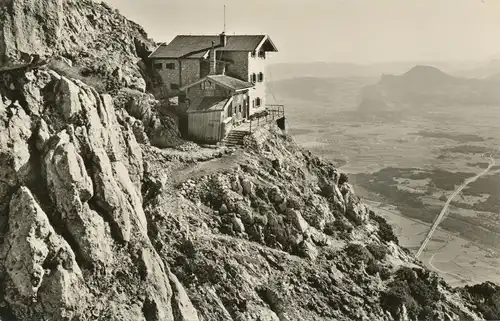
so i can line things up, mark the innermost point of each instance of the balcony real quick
(272, 114)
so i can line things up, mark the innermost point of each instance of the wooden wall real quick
(205, 126)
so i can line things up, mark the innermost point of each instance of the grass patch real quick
(74, 72)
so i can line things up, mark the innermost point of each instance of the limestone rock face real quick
(23, 34)
(160, 127)
(75, 241)
(39, 262)
(80, 36)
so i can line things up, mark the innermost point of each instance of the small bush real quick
(397, 295)
(378, 251)
(416, 290)
(343, 179)
(373, 267)
(385, 231)
(358, 253)
(486, 297)
(338, 226)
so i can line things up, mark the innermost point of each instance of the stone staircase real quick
(235, 138)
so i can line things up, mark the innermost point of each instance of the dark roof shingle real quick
(208, 104)
(197, 46)
(230, 82)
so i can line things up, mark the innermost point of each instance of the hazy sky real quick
(336, 30)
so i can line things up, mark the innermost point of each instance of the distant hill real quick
(485, 70)
(426, 85)
(341, 70)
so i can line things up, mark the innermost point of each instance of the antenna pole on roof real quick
(224, 18)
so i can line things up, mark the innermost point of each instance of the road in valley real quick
(447, 204)
(444, 272)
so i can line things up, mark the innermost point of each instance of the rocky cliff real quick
(98, 224)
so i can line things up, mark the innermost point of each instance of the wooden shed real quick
(206, 119)
(215, 103)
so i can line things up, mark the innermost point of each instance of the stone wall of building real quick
(173, 74)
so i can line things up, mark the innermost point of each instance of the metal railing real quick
(272, 113)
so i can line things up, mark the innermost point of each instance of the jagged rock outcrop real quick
(75, 233)
(81, 37)
(159, 121)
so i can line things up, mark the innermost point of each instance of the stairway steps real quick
(235, 138)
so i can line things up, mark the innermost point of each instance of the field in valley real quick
(410, 162)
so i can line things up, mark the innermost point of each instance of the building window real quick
(257, 102)
(261, 77)
(174, 86)
(262, 54)
(156, 80)
(253, 78)
(240, 108)
(158, 66)
(253, 54)
(170, 65)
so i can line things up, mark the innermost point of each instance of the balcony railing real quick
(271, 114)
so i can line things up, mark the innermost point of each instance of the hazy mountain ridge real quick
(425, 85)
(344, 70)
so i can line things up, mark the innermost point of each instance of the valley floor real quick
(456, 259)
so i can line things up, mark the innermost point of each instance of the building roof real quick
(225, 81)
(208, 104)
(197, 46)
(231, 82)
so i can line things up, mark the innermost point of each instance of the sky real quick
(361, 31)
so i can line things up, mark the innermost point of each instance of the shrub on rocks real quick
(341, 226)
(379, 252)
(343, 179)
(413, 289)
(358, 253)
(385, 231)
(486, 297)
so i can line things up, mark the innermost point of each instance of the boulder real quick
(33, 246)
(275, 195)
(297, 220)
(248, 186)
(238, 225)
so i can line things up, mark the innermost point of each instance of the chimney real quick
(223, 39)
(213, 60)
